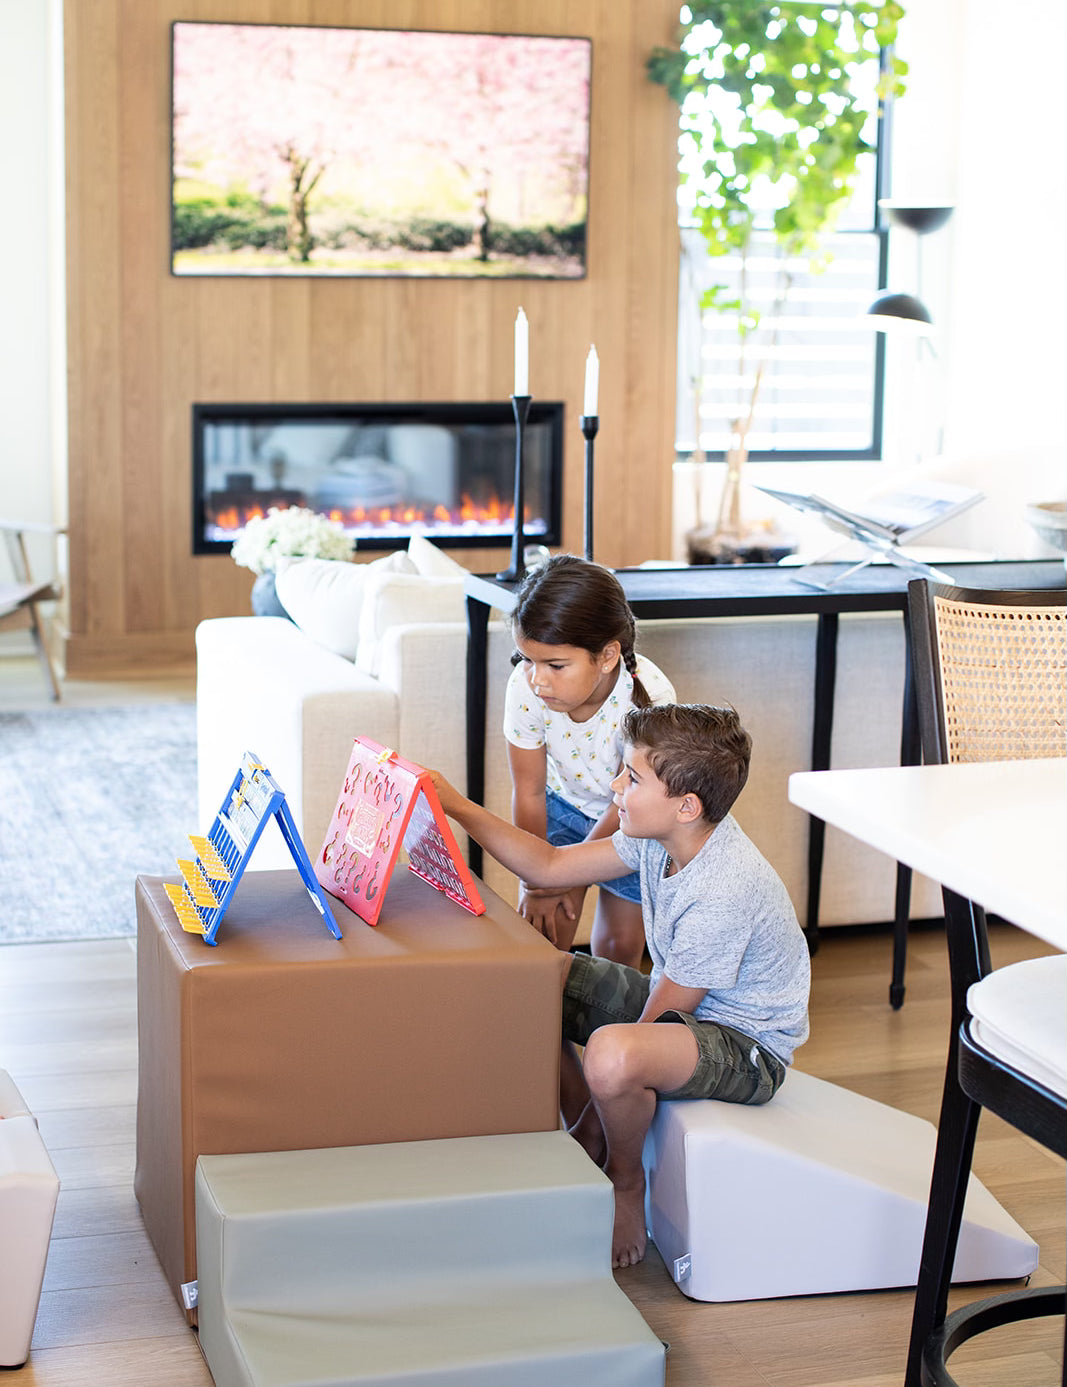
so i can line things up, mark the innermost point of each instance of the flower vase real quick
(729, 525)
(724, 541)
(731, 540)
(265, 598)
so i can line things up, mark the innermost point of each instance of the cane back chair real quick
(991, 679)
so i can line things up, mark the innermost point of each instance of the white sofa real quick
(266, 686)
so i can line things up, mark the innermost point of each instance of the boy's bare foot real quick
(629, 1237)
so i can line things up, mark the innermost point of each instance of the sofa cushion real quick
(403, 599)
(430, 561)
(430, 591)
(324, 597)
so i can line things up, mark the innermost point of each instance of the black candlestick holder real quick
(590, 423)
(520, 404)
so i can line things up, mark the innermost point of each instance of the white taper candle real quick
(522, 354)
(592, 381)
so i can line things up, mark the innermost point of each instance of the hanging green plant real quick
(772, 131)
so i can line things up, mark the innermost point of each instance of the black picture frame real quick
(345, 151)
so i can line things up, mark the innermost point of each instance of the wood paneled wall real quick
(143, 345)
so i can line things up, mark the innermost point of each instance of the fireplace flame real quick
(225, 521)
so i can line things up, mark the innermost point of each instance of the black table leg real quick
(477, 692)
(910, 754)
(957, 1127)
(821, 736)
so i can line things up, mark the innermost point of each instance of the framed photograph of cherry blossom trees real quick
(301, 150)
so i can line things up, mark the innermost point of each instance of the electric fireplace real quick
(385, 471)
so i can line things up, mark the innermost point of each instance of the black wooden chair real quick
(991, 679)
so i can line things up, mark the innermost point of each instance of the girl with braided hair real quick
(576, 675)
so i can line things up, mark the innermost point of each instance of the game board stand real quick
(210, 879)
(387, 804)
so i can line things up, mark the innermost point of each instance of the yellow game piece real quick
(185, 910)
(197, 883)
(210, 859)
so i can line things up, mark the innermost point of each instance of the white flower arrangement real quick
(291, 532)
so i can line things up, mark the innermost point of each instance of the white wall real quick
(977, 128)
(32, 404)
(986, 120)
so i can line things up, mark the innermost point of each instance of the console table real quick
(755, 590)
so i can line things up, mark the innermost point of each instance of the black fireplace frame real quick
(545, 415)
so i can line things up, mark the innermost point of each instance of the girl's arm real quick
(524, 853)
(606, 825)
(529, 780)
(551, 911)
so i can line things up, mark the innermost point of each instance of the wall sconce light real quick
(900, 312)
(894, 312)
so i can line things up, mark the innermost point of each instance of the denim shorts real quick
(731, 1066)
(569, 825)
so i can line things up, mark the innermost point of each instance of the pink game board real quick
(387, 803)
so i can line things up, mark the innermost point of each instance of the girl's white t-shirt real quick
(583, 757)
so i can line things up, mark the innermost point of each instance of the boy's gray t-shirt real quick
(725, 923)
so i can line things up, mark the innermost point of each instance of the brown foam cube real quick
(435, 1023)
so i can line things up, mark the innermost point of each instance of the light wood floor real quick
(23, 687)
(68, 1037)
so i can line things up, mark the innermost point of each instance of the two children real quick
(576, 676)
(730, 972)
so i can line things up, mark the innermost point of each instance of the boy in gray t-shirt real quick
(729, 961)
(726, 924)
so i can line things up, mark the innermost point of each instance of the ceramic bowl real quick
(1049, 519)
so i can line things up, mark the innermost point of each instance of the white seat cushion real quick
(1020, 1015)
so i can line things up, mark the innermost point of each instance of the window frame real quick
(879, 229)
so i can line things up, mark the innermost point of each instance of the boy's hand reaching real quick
(533, 859)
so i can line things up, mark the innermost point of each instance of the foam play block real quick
(29, 1189)
(819, 1190)
(12, 1103)
(437, 1023)
(478, 1260)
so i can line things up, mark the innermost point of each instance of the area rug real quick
(90, 798)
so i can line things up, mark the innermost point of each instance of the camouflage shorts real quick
(731, 1066)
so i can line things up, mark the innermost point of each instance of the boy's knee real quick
(609, 1062)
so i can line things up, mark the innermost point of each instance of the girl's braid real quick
(629, 659)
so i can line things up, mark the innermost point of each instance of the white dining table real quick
(995, 832)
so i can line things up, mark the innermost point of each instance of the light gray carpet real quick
(89, 798)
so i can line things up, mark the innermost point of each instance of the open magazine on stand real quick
(884, 521)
